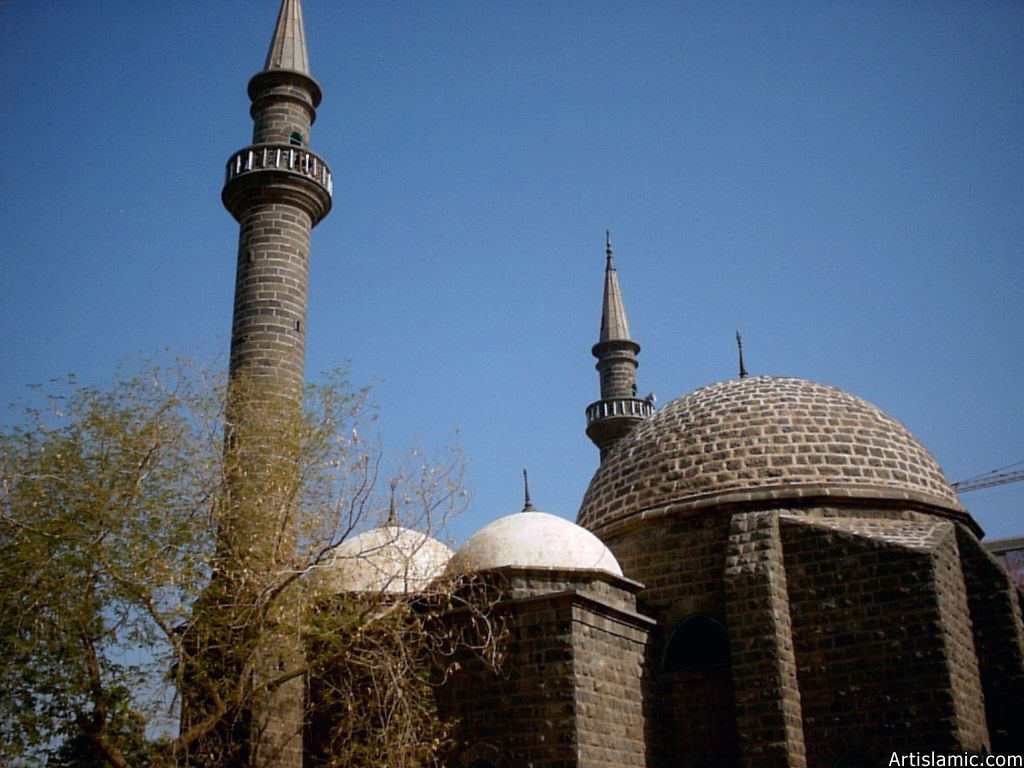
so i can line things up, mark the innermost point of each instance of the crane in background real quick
(1001, 476)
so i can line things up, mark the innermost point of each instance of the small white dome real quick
(387, 559)
(535, 539)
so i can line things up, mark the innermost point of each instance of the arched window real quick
(697, 642)
(296, 139)
(854, 758)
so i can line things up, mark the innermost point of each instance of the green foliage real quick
(125, 730)
(104, 539)
(156, 544)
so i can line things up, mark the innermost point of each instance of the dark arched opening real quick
(697, 642)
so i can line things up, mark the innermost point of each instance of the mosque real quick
(764, 572)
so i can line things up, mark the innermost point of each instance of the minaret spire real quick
(288, 45)
(619, 410)
(614, 325)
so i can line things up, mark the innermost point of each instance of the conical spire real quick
(392, 513)
(527, 504)
(614, 325)
(288, 46)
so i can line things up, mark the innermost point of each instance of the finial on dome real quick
(739, 345)
(608, 247)
(527, 504)
(392, 514)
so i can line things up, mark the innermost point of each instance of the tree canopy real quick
(114, 504)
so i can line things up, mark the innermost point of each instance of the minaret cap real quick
(288, 46)
(614, 324)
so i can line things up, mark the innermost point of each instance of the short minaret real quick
(277, 190)
(619, 409)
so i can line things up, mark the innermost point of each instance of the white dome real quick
(535, 539)
(386, 559)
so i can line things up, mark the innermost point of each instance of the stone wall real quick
(569, 691)
(994, 602)
(283, 103)
(882, 637)
(764, 669)
(268, 334)
(609, 655)
(680, 562)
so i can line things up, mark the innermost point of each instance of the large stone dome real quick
(532, 539)
(762, 437)
(386, 559)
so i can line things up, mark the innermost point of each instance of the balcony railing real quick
(628, 407)
(281, 157)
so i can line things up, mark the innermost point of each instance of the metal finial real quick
(608, 244)
(739, 344)
(392, 515)
(527, 504)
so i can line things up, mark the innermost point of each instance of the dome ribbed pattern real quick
(763, 435)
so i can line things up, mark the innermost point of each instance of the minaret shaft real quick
(268, 329)
(277, 190)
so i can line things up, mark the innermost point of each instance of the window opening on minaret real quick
(298, 325)
(296, 139)
(697, 642)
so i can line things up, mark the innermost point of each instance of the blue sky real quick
(840, 181)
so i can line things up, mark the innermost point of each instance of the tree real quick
(132, 563)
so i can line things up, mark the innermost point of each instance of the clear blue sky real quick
(843, 182)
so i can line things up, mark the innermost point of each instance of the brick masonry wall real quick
(958, 637)
(570, 689)
(999, 639)
(282, 105)
(609, 660)
(680, 563)
(617, 370)
(878, 613)
(526, 712)
(268, 334)
(764, 670)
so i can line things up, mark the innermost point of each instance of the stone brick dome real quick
(532, 539)
(391, 558)
(763, 437)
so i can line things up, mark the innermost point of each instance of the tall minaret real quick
(619, 409)
(277, 190)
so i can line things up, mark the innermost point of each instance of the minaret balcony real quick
(295, 172)
(619, 407)
(281, 157)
